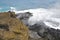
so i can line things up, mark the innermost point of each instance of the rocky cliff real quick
(39, 31)
(12, 28)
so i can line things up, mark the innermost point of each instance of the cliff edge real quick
(12, 28)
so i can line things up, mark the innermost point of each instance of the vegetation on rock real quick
(12, 28)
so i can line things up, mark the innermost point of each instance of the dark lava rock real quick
(24, 17)
(39, 31)
(45, 32)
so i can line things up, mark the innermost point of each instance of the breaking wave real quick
(48, 16)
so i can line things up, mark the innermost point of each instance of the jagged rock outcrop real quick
(40, 31)
(45, 32)
(12, 28)
(24, 17)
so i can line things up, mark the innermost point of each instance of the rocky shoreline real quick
(39, 31)
(15, 27)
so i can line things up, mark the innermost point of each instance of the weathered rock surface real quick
(12, 28)
(40, 31)
(45, 33)
(24, 17)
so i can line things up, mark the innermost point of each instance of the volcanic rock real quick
(24, 17)
(40, 31)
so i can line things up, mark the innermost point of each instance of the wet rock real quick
(12, 28)
(24, 17)
(34, 35)
(45, 32)
(40, 31)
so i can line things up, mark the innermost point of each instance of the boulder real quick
(12, 28)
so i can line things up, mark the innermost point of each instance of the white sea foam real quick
(42, 14)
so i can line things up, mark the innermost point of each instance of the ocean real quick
(25, 4)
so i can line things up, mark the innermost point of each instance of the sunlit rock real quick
(12, 28)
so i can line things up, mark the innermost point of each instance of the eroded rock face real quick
(12, 28)
(45, 33)
(24, 17)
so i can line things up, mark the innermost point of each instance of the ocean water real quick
(25, 4)
(50, 17)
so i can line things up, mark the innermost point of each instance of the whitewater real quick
(48, 16)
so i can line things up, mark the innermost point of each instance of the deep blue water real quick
(25, 4)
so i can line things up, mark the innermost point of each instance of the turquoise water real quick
(25, 4)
